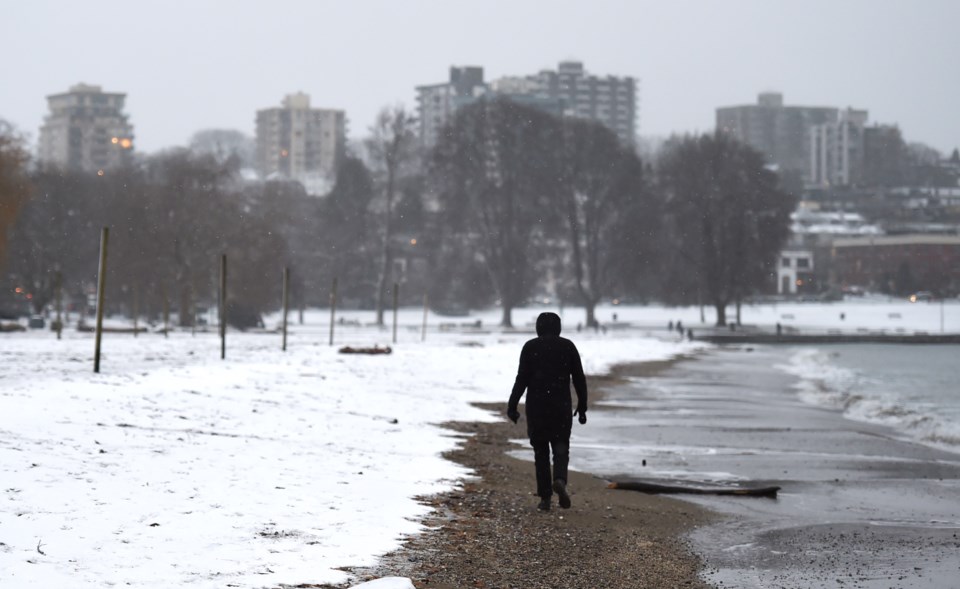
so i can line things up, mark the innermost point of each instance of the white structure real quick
(794, 269)
(836, 150)
(297, 142)
(86, 130)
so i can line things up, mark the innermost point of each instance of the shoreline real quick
(734, 414)
(488, 533)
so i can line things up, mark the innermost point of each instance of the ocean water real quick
(864, 441)
(914, 389)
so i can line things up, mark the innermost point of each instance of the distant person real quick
(680, 327)
(670, 325)
(547, 364)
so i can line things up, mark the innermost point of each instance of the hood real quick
(548, 324)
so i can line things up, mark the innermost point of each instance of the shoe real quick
(560, 488)
(544, 505)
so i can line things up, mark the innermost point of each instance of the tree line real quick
(511, 203)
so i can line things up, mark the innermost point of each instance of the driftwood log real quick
(656, 488)
(91, 329)
(373, 350)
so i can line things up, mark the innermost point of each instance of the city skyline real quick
(229, 60)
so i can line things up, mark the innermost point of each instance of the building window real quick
(803, 262)
(785, 262)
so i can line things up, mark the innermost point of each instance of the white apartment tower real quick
(297, 142)
(437, 103)
(568, 91)
(86, 129)
(609, 100)
(836, 150)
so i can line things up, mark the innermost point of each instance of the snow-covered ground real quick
(174, 468)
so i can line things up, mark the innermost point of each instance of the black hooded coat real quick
(547, 364)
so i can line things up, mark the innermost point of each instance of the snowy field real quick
(175, 468)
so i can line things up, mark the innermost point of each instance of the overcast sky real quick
(187, 65)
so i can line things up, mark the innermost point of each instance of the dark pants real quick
(541, 456)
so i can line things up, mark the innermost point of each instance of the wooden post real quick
(223, 306)
(193, 311)
(59, 291)
(286, 303)
(166, 311)
(101, 285)
(423, 332)
(396, 298)
(136, 309)
(333, 307)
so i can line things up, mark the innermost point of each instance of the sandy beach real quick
(488, 533)
(860, 506)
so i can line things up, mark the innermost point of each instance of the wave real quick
(871, 398)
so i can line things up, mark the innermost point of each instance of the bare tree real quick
(391, 147)
(14, 183)
(495, 169)
(729, 218)
(600, 181)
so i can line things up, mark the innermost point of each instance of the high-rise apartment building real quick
(300, 143)
(567, 91)
(837, 150)
(609, 100)
(437, 103)
(86, 129)
(781, 133)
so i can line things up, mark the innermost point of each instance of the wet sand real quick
(860, 507)
(489, 534)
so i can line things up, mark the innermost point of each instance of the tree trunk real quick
(385, 252)
(721, 314)
(703, 317)
(591, 307)
(186, 318)
(738, 312)
(507, 319)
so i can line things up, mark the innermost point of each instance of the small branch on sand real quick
(39, 544)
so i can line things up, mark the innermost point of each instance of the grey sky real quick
(190, 65)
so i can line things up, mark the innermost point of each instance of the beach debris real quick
(662, 489)
(371, 351)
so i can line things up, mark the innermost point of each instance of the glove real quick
(513, 414)
(583, 415)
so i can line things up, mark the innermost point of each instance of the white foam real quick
(869, 399)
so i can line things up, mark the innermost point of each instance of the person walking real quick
(547, 365)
